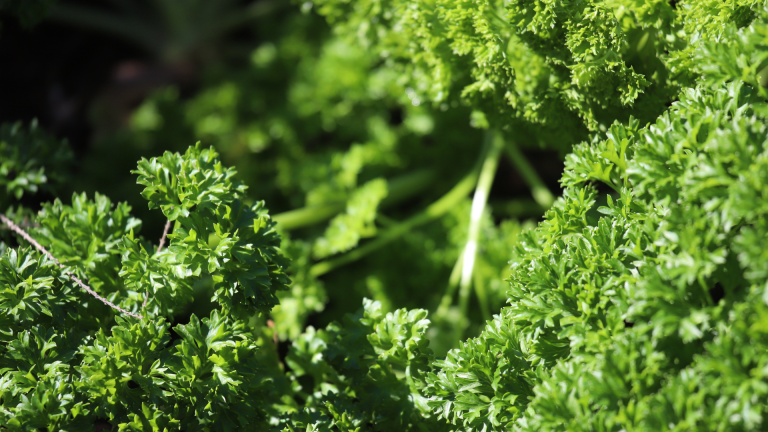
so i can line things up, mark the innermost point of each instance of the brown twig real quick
(23, 225)
(39, 247)
(159, 248)
(165, 234)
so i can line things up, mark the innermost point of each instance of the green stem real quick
(407, 186)
(540, 192)
(399, 189)
(482, 296)
(453, 284)
(494, 143)
(432, 212)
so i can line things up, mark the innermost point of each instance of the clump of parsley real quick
(640, 302)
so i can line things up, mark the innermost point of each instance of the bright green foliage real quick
(345, 230)
(555, 64)
(198, 381)
(62, 369)
(39, 340)
(603, 311)
(24, 157)
(743, 58)
(352, 373)
(307, 122)
(153, 279)
(32, 293)
(639, 303)
(547, 62)
(702, 167)
(306, 293)
(644, 315)
(177, 183)
(336, 181)
(216, 235)
(708, 24)
(86, 237)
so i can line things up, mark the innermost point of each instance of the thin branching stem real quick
(18, 230)
(166, 229)
(453, 285)
(482, 295)
(539, 190)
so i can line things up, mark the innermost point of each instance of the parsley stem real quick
(482, 296)
(453, 284)
(494, 143)
(540, 192)
(432, 212)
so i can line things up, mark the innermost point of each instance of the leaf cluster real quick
(556, 65)
(642, 312)
(68, 359)
(364, 373)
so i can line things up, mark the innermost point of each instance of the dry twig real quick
(39, 247)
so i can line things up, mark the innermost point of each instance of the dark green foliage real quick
(553, 64)
(639, 303)
(86, 236)
(647, 361)
(40, 338)
(28, 12)
(216, 234)
(366, 374)
(30, 161)
(312, 120)
(61, 366)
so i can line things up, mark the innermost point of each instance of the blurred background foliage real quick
(322, 129)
